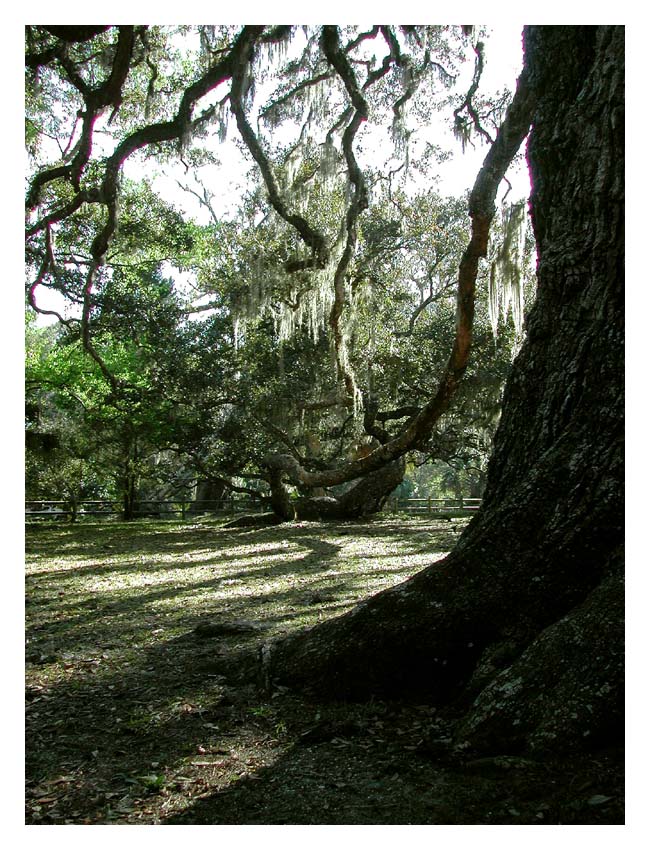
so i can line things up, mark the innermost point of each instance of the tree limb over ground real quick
(99, 187)
(481, 211)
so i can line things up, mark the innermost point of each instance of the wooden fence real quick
(152, 508)
(434, 507)
(62, 510)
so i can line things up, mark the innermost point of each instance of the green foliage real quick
(146, 390)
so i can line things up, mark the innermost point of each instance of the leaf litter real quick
(129, 719)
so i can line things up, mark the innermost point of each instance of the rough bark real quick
(364, 498)
(520, 627)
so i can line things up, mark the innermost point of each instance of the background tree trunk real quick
(281, 503)
(364, 498)
(209, 495)
(521, 625)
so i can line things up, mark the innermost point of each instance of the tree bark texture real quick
(364, 498)
(520, 627)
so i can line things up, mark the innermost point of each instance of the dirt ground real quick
(130, 718)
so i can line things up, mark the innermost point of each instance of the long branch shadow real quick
(166, 565)
(153, 537)
(99, 722)
(148, 537)
(114, 623)
(119, 602)
(106, 727)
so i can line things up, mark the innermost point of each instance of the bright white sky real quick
(504, 58)
(503, 65)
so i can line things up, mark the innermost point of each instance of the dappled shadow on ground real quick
(131, 717)
(376, 765)
(121, 689)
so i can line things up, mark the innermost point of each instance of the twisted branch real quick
(481, 210)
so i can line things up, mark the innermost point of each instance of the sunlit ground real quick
(128, 716)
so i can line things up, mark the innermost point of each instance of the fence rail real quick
(430, 506)
(45, 509)
(158, 508)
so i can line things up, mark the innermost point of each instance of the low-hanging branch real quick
(511, 134)
(226, 483)
(234, 65)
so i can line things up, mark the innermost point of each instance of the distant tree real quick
(106, 432)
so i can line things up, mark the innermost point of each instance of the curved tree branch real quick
(95, 100)
(481, 210)
(339, 61)
(310, 236)
(109, 93)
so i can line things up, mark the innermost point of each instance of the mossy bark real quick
(520, 627)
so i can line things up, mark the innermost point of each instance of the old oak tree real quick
(521, 626)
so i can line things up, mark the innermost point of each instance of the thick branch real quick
(109, 93)
(154, 134)
(370, 426)
(73, 34)
(481, 210)
(398, 413)
(339, 61)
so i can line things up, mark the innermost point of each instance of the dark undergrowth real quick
(130, 718)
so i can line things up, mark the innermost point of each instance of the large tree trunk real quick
(521, 625)
(364, 498)
(209, 495)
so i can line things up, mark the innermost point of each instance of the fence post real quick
(429, 505)
(183, 509)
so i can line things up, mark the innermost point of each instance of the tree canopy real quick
(328, 322)
(341, 320)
